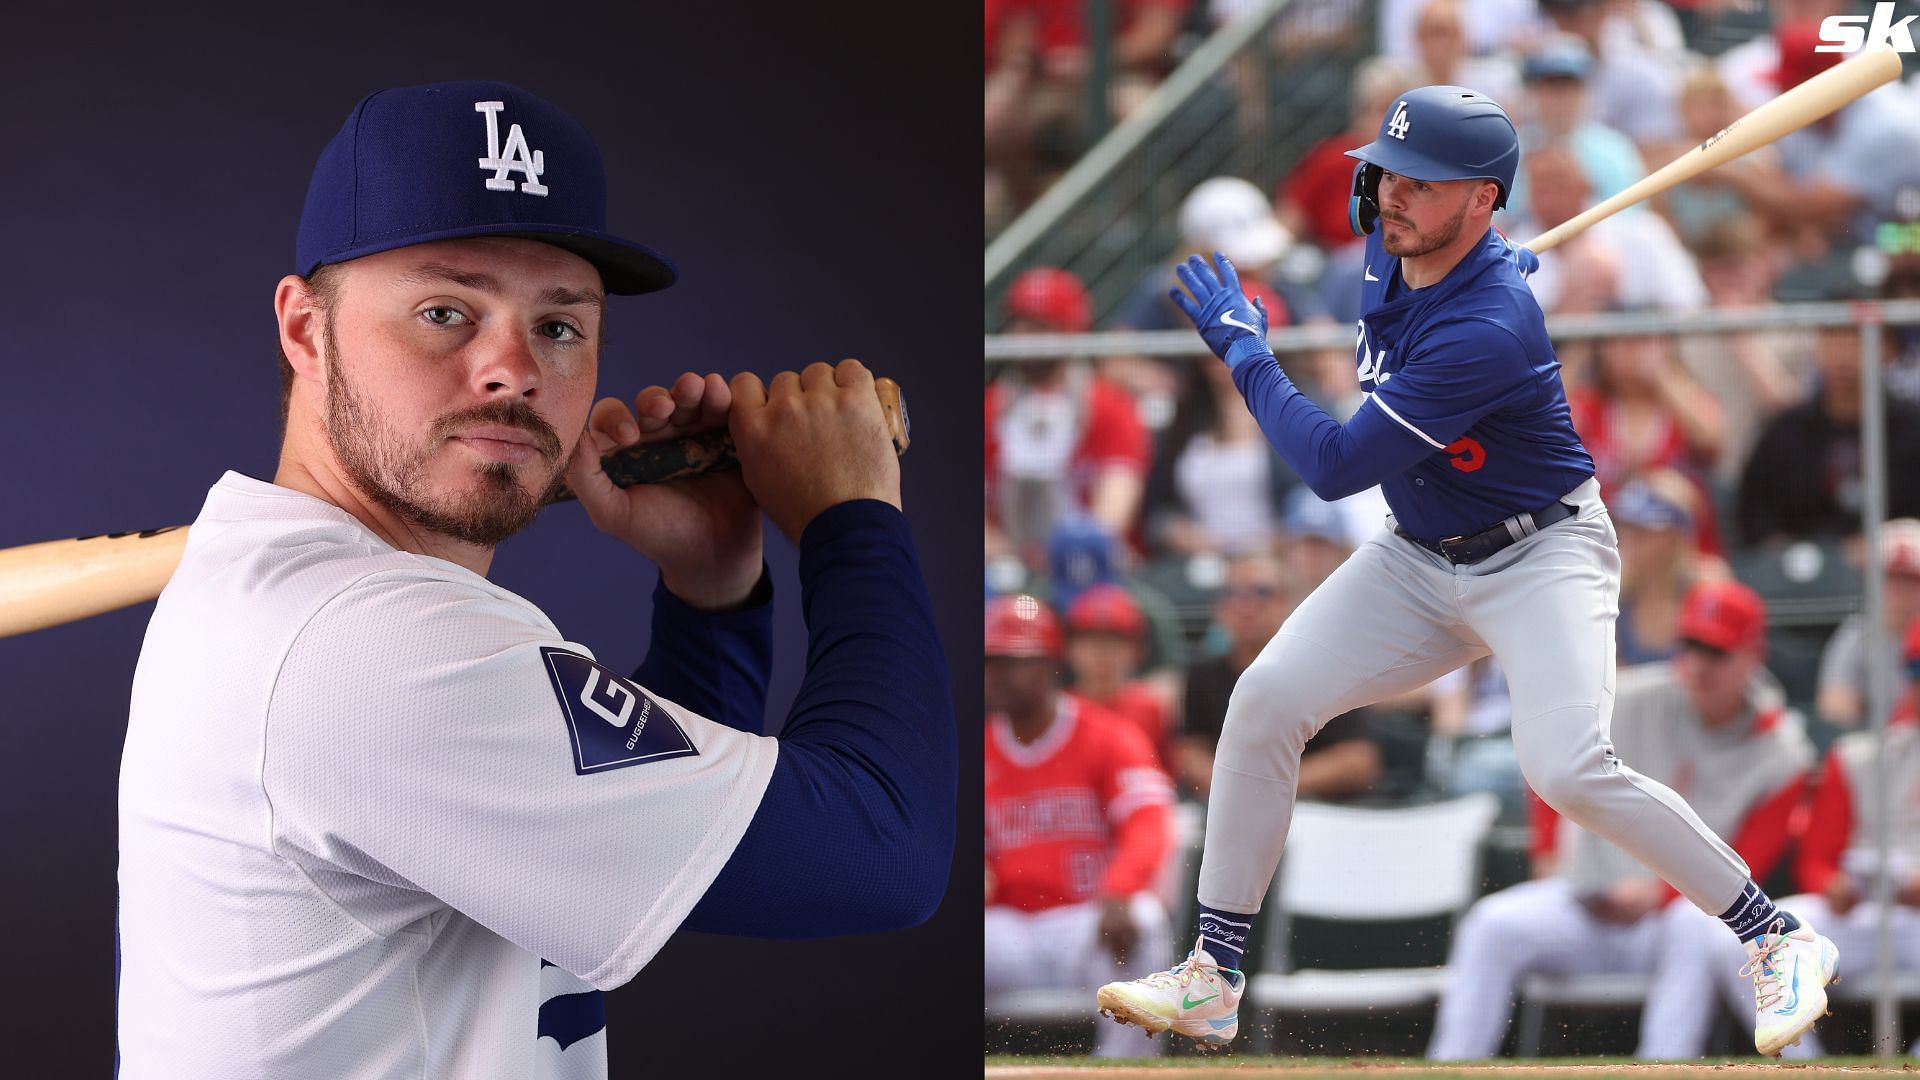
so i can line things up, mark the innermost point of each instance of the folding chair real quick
(1365, 865)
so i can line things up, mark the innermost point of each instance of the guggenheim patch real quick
(612, 722)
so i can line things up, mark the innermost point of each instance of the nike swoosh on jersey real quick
(1227, 317)
(1370, 277)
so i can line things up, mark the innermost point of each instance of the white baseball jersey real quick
(366, 792)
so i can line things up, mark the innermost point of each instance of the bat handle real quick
(712, 451)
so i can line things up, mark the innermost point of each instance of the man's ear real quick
(298, 312)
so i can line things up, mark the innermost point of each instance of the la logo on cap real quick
(518, 158)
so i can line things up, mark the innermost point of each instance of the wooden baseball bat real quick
(61, 581)
(1791, 111)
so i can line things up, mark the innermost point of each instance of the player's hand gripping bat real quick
(60, 581)
(1791, 111)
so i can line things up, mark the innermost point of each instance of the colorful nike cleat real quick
(1196, 997)
(1790, 974)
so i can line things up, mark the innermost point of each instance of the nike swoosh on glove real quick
(1234, 327)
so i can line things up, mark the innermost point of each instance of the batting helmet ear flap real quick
(1363, 210)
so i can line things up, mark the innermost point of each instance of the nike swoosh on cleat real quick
(1188, 1003)
(1794, 1001)
(1227, 318)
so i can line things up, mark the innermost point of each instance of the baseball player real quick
(1839, 855)
(1709, 724)
(379, 816)
(1078, 824)
(1497, 543)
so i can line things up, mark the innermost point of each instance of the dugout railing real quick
(1792, 604)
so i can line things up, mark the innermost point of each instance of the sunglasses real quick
(1704, 650)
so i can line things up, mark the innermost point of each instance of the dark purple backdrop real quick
(811, 173)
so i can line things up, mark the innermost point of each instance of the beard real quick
(390, 472)
(1417, 243)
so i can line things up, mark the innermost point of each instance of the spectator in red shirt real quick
(1643, 411)
(1078, 825)
(1060, 439)
(1106, 641)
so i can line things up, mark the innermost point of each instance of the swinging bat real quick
(1791, 111)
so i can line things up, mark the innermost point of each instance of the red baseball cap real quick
(1723, 614)
(1021, 627)
(1106, 609)
(1052, 296)
(1798, 61)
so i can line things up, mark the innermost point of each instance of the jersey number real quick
(1083, 871)
(1468, 455)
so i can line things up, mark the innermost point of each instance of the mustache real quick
(513, 414)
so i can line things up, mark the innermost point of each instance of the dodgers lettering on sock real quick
(1225, 934)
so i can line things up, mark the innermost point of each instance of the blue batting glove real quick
(1234, 327)
(1521, 257)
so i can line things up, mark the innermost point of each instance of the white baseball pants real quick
(1394, 617)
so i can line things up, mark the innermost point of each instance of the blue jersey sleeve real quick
(1334, 459)
(1456, 373)
(856, 830)
(715, 664)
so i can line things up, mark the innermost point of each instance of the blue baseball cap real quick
(1080, 555)
(459, 159)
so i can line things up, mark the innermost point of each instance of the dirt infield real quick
(1240, 1069)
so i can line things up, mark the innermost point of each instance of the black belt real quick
(1462, 550)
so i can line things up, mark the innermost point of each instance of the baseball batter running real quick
(1497, 543)
(379, 817)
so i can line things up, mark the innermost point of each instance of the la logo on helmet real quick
(1397, 127)
(1844, 34)
(518, 158)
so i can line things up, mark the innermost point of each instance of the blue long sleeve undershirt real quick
(856, 831)
(1334, 459)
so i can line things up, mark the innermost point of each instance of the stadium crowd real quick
(1143, 541)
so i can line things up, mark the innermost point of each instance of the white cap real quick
(1229, 215)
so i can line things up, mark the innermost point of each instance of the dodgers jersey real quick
(367, 796)
(1464, 422)
(1465, 366)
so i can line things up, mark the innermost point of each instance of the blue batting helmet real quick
(1435, 133)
